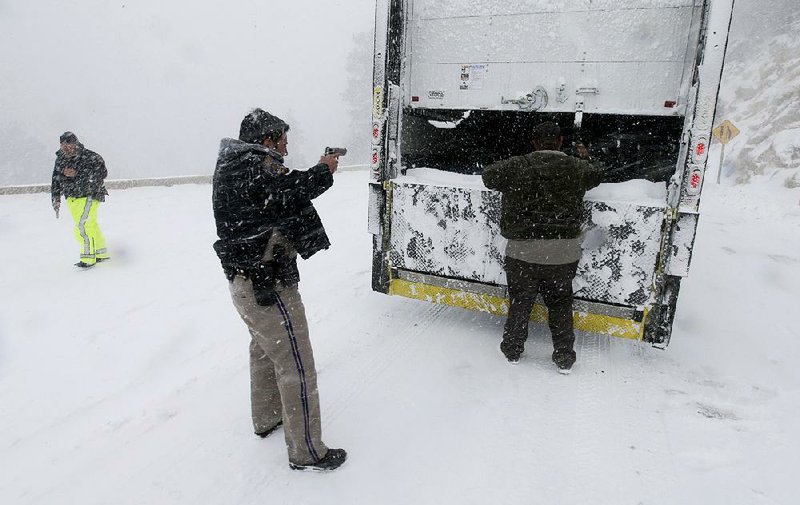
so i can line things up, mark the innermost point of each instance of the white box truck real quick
(458, 84)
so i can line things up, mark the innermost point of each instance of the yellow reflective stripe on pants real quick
(87, 231)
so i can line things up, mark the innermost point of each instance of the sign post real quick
(725, 132)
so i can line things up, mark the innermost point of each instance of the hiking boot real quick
(265, 434)
(333, 459)
(81, 264)
(511, 352)
(564, 361)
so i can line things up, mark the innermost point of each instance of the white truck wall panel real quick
(680, 248)
(633, 52)
(374, 205)
(468, 8)
(454, 232)
(379, 62)
(709, 75)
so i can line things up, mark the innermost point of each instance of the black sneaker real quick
(333, 459)
(265, 434)
(564, 361)
(81, 264)
(511, 352)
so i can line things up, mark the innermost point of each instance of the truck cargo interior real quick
(629, 147)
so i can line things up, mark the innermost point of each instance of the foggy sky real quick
(153, 85)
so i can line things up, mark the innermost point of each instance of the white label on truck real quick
(377, 102)
(473, 75)
(436, 95)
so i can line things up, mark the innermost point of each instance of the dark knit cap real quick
(68, 138)
(259, 125)
(546, 131)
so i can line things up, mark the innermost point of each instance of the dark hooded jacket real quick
(542, 194)
(89, 178)
(254, 195)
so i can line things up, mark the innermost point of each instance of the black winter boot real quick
(512, 352)
(265, 434)
(333, 459)
(564, 359)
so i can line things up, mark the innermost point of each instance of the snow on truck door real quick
(604, 56)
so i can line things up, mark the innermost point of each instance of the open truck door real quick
(459, 85)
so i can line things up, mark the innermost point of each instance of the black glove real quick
(263, 278)
(285, 266)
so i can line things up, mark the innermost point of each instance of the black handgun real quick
(341, 151)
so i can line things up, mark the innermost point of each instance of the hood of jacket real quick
(233, 149)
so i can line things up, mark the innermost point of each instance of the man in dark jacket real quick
(542, 204)
(79, 175)
(264, 219)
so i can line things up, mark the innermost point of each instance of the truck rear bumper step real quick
(623, 322)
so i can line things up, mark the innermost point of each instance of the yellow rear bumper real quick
(595, 323)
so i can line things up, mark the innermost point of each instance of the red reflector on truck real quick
(670, 104)
(701, 149)
(415, 99)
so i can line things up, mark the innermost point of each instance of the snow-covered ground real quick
(128, 383)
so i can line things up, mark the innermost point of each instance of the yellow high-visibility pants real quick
(87, 231)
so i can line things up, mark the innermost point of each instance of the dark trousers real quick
(554, 282)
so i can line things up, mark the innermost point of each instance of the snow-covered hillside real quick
(128, 383)
(761, 95)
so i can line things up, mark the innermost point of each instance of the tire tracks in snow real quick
(620, 440)
(658, 473)
(588, 420)
(401, 338)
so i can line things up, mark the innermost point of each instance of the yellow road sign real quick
(725, 132)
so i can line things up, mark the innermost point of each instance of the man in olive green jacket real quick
(542, 205)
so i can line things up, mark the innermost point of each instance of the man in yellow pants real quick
(79, 176)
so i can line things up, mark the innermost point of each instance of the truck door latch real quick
(579, 102)
(533, 101)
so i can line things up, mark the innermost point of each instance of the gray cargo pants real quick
(283, 379)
